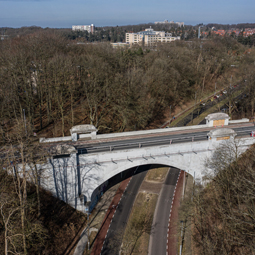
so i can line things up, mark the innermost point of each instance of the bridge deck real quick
(82, 142)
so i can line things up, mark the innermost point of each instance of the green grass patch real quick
(137, 233)
(183, 115)
(157, 175)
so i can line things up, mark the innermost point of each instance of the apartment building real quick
(89, 28)
(150, 37)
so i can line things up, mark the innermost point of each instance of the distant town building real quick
(248, 32)
(171, 22)
(219, 32)
(150, 37)
(89, 28)
(3, 37)
(180, 23)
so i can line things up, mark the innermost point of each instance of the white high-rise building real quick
(89, 28)
(150, 37)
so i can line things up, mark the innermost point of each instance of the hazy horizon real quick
(65, 13)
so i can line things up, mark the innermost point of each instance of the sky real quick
(65, 13)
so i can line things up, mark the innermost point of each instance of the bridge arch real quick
(121, 176)
(190, 157)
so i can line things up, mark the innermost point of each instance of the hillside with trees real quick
(24, 231)
(32, 221)
(223, 212)
(56, 84)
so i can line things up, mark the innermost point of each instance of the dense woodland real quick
(55, 83)
(49, 83)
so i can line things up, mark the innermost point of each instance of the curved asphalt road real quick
(158, 237)
(116, 230)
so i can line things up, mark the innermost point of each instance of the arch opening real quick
(118, 178)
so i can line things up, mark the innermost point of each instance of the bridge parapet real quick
(83, 129)
(221, 134)
(217, 119)
(89, 132)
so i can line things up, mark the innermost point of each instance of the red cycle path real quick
(97, 247)
(172, 230)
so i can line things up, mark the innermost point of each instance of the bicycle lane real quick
(172, 237)
(108, 218)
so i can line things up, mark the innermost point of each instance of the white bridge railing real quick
(148, 143)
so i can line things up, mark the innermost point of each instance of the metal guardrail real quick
(147, 143)
(141, 144)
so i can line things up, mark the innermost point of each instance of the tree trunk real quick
(37, 191)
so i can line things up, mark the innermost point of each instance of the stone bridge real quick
(81, 170)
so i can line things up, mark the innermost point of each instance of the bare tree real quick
(224, 210)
